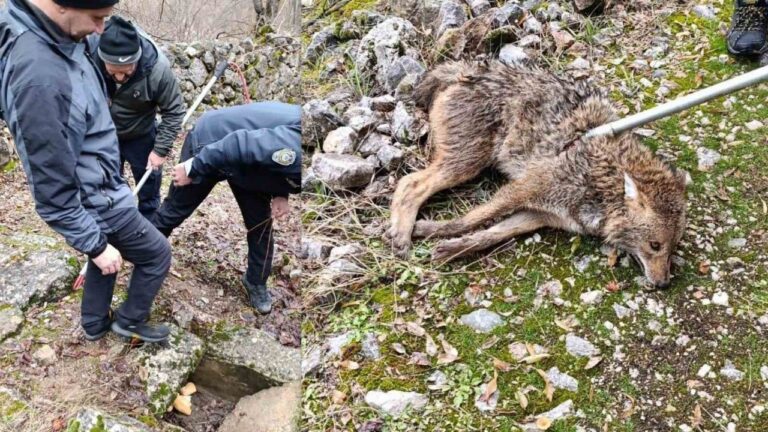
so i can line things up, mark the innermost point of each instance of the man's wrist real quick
(100, 248)
(188, 166)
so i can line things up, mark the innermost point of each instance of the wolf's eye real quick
(656, 246)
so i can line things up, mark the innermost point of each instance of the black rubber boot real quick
(98, 333)
(259, 297)
(747, 34)
(143, 331)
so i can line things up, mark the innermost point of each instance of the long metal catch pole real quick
(221, 67)
(696, 98)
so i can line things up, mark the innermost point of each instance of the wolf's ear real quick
(630, 188)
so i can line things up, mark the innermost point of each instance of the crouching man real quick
(257, 149)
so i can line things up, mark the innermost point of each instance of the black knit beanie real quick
(120, 42)
(86, 4)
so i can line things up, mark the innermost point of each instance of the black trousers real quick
(255, 207)
(136, 152)
(143, 245)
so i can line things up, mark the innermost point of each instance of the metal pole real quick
(696, 98)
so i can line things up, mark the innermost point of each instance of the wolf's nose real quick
(662, 284)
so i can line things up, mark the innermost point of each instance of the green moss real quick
(73, 426)
(160, 398)
(150, 421)
(99, 426)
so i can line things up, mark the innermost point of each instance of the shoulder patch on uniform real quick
(284, 157)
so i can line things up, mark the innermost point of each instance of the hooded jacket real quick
(54, 101)
(152, 89)
(255, 146)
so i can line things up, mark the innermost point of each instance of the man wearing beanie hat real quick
(54, 100)
(140, 84)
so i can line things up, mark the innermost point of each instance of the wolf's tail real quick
(438, 80)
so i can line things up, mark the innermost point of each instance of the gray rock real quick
(33, 269)
(490, 404)
(592, 297)
(737, 243)
(562, 411)
(314, 249)
(682, 340)
(383, 45)
(321, 41)
(390, 157)
(197, 73)
(373, 143)
(242, 362)
(512, 54)
(562, 380)
(579, 64)
(529, 41)
(343, 267)
(764, 373)
(209, 60)
(168, 367)
(405, 127)
(403, 67)
(621, 311)
(347, 30)
(385, 103)
(5, 150)
(583, 5)
(580, 347)
(479, 7)
(340, 141)
(90, 419)
(311, 361)
(276, 409)
(705, 11)
(438, 381)
(508, 14)
(45, 355)
(451, 15)
(193, 52)
(360, 118)
(395, 402)
(11, 319)
(707, 158)
(347, 251)
(371, 349)
(482, 320)
(367, 18)
(729, 371)
(532, 25)
(317, 120)
(336, 344)
(342, 171)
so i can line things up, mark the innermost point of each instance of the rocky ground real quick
(552, 331)
(52, 379)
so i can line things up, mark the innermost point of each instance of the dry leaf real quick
(350, 365)
(143, 374)
(58, 425)
(183, 404)
(419, 359)
(501, 365)
(704, 267)
(613, 286)
(696, 420)
(594, 361)
(338, 397)
(530, 348)
(399, 348)
(531, 359)
(490, 388)
(415, 329)
(450, 355)
(549, 389)
(567, 324)
(188, 389)
(432, 348)
(543, 423)
(490, 343)
(613, 257)
(522, 399)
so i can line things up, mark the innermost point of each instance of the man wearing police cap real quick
(257, 149)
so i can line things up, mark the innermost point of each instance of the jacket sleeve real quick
(251, 149)
(172, 110)
(47, 146)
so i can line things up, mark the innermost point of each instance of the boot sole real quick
(131, 335)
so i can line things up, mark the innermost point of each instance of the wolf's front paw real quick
(447, 250)
(400, 243)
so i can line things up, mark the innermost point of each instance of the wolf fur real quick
(527, 123)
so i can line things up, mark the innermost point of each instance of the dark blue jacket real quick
(245, 143)
(53, 99)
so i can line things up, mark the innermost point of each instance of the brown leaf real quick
(531, 359)
(419, 359)
(338, 397)
(594, 361)
(696, 420)
(399, 348)
(450, 354)
(415, 329)
(490, 343)
(490, 388)
(567, 324)
(613, 257)
(501, 365)
(704, 267)
(432, 348)
(522, 399)
(350, 365)
(549, 389)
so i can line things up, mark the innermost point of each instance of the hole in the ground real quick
(219, 387)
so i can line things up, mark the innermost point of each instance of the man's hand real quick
(179, 175)
(280, 207)
(155, 161)
(109, 261)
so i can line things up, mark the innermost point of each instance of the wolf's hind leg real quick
(519, 223)
(508, 199)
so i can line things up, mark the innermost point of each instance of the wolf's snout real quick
(663, 284)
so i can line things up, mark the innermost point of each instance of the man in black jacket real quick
(54, 100)
(257, 149)
(140, 84)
